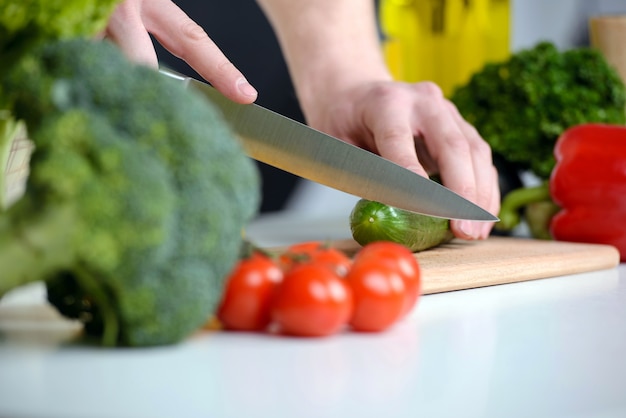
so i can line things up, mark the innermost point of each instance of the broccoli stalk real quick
(32, 249)
(137, 195)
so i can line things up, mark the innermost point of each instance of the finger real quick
(485, 173)
(488, 196)
(495, 203)
(487, 187)
(187, 40)
(393, 134)
(487, 193)
(125, 28)
(449, 148)
(482, 178)
(394, 126)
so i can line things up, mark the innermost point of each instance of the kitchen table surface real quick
(545, 348)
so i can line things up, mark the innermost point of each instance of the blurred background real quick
(439, 40)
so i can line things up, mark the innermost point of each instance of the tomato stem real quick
(248, 248)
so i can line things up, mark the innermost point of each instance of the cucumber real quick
(373, 221)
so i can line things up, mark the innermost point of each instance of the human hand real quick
(414, 126)
(132, 23)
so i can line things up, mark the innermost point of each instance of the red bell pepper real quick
(588, 183)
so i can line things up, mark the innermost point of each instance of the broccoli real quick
(137, 196)
(522, 105)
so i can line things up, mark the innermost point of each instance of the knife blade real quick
(308, 153)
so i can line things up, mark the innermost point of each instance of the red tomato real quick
(297, 253)
(401, 258)
(337, 260)
(317, 252)
(379, 293)
(312, 301)
(246, 302)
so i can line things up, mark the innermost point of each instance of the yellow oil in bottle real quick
(444, 41)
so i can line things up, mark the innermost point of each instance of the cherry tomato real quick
(317, 252)
(297, 253)
(246, 302)
(311, 301)
(331, 257)
(379, 293)
(400, 257)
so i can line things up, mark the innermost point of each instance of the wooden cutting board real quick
(498, 260)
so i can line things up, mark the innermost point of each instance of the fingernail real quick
(245, 87)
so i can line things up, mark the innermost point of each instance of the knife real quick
(298, 149)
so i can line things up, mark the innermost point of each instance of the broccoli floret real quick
(522, 105)
(137, 197)
(25, 24)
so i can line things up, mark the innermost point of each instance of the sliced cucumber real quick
(373, 221)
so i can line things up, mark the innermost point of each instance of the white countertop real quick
(547, 348)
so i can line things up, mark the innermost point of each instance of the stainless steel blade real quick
(296, 148)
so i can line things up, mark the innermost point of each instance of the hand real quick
(345, 88)
(133, 21)
(416, 127)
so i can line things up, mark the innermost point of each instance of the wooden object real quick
(498, 260)
(608, 34)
